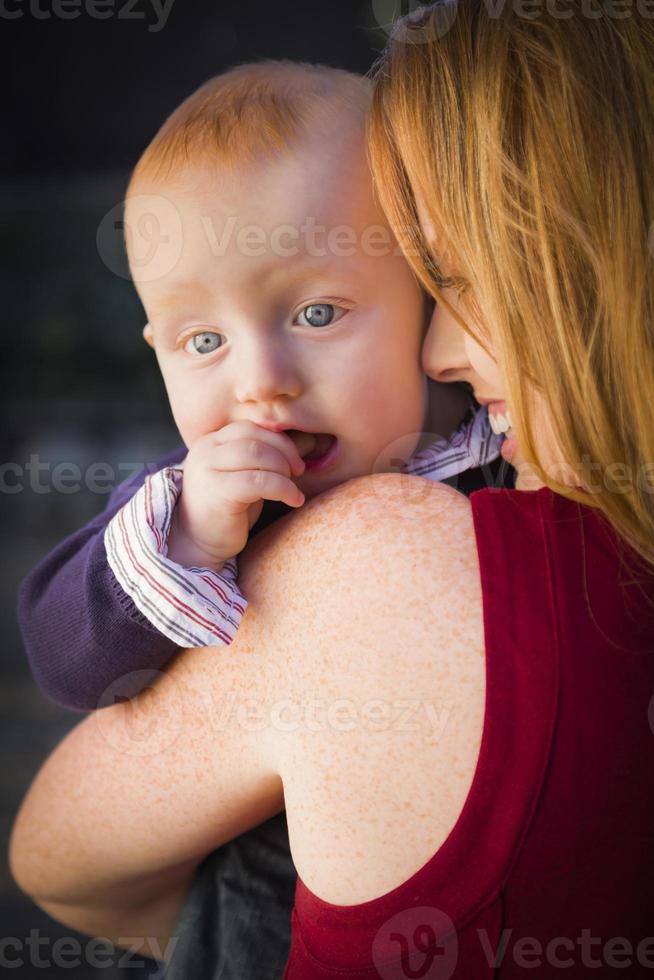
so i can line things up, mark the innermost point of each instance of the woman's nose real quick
(266, 372)
(444, 356)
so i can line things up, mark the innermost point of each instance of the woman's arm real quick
(137, 794)
(117, 819)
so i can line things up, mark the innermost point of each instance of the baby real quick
(288, 330)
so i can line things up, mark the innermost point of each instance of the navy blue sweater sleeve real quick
(82, 633)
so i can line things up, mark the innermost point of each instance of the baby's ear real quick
(147, 335)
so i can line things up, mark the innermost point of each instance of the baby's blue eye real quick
(205, 342)
(319, 314)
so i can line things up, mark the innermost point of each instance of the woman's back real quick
(541, 836)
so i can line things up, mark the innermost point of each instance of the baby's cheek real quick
(192, 422)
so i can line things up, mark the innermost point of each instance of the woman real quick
(458, 717)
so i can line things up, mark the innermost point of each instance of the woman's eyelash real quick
(460, 283)
(453, 282)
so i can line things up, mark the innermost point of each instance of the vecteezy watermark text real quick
(95, 9)
(67, 952)
(152, 232)
(44, 477)
(337, 714)
(142, 732)
(100, 477)
(422, 942)
(415, 22)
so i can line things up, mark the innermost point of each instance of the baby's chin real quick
(345, 467)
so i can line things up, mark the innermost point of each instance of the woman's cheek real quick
(485, 366)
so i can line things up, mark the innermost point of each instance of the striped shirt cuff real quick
(473, 444)
(193, 607)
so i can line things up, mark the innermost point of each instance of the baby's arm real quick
(155, 571)
(81, 625)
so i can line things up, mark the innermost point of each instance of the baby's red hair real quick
(252, 111)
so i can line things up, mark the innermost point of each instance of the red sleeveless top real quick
(550, 865)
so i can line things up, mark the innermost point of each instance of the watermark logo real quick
(152, 236)
(141, 730)
(413, 22)
(398, 457)
(419, 943)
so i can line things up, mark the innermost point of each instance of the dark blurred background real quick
(88, 87)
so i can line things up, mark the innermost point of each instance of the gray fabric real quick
(235, 923)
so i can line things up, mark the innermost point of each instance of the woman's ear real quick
(147, 335)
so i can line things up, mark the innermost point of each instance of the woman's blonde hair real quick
(529, 143)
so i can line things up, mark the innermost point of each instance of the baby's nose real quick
(266, 377)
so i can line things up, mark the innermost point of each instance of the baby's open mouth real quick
(312, 446)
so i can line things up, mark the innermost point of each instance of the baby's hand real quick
(227, 476)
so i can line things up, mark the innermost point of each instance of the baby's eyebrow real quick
(299, 267)
(176, 295)
(303, 266)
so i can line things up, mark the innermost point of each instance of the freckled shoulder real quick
(389, 516)
(375, 547)
(368, 603)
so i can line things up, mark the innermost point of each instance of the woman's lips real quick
(508, 448)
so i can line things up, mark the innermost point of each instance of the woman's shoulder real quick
(370, 601)
(369, 564)
(377, 507)
(376, 571)
(380, 538)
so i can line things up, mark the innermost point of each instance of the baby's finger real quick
(236, 431)
(249, 486)
(250, 454)
(304, 442)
